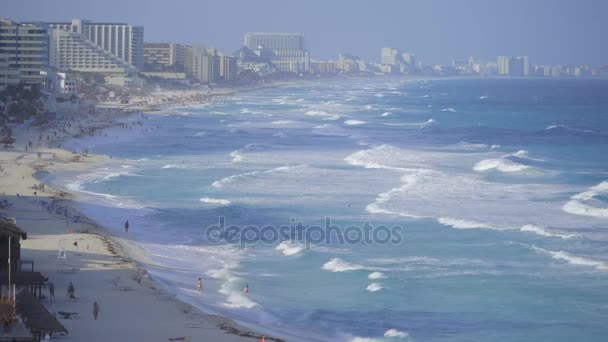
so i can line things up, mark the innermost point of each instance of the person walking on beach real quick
(199, 284)
(51, 292)
(71, 296)
(246, 289)
(127, 226)
(96, 310)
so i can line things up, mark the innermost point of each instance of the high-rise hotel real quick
(513, 66)
(288, 50)
(24, 52)
(85, 46)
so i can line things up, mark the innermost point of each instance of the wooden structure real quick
(36, 317)
(10, 235)
(32, 281)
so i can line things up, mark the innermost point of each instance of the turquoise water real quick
(498, 186)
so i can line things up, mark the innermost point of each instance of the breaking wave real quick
(544, 232)
(219, 201)
(574, 259)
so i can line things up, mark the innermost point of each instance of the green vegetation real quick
(20, 102)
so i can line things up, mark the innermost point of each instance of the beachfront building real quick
(513, 66)
(25, 51)
(7, 75)
(205, 64)
(389, 56)
(287, 50)
(164, 56)
(59, 83)
(85, 46)
(348, 64)
(324, 67)
(409, 59)
(228, 67)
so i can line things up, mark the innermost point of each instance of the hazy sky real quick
(549, 31)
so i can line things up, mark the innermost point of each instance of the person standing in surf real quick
(127, 226)
(199, 285)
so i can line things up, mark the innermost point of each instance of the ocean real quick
(473, 209)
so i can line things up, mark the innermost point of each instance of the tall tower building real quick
(504, 67)
(161, 55)
(25, 51)
(205, 64)
(389, 56)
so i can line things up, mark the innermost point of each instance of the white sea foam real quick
(585, 203)
(483, 97)
(530, 228)
(222, 273)
(499, 164)
(289, 248)
(325, 115)
(374, 287)
(174, 166)
(354, 122)
(578, 208)
(574, 259)
(389, 335)
(396, 333)
(381, 157)
(278, 170)
(219, 201)
(200, 134)
(116, 175)
(236, 156)
(339, 265)
(422, 124)
(235, 298)
(386, 113)
(376, 276)
(466, 146)
(464, 224)
(569, 129)
(449, 110)
(284, 122)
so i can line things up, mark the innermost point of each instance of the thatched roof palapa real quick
(7, 227)
(35, 316)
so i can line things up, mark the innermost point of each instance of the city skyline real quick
(436, 31)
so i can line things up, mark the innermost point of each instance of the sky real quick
(563, 32)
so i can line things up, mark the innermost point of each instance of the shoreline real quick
(112, 250)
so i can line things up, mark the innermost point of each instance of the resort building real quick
(163, 56)
(288, 50)
(228, 67)
(7, 75)
(205, 64)
(25, 51)
(513, 66)
(348, 64)
(389, 56)
(85, 46)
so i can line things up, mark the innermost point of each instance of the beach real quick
(104, 268)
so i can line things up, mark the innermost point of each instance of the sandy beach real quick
(105, 269)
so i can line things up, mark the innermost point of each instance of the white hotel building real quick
(288, 50)
(85, 46)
